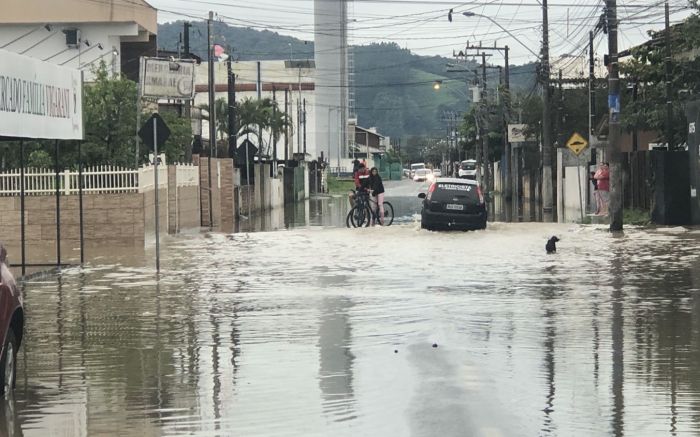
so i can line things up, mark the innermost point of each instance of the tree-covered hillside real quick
(393, 86)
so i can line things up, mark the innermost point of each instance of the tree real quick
(646, 71)
(180, 136)
(109, 113)
(253, 118)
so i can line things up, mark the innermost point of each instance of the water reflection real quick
(292, 333)
(336, 358)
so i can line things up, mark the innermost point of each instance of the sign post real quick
(578, 144)
(154, 137)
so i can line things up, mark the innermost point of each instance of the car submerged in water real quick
(453, 204)
(11, 325)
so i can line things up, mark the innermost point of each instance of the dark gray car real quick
(453, 203)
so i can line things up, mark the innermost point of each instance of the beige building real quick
(80, 34)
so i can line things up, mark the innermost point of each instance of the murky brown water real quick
(320, 331)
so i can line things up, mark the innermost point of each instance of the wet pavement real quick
(318, 330)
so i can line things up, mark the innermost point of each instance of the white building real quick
(332, 78)
(296, 77)
(79, 34)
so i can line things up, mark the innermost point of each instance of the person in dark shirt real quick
(376, 187)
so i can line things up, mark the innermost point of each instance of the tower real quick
(332, 78)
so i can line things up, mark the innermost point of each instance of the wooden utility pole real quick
(547, 190)
(614, 153)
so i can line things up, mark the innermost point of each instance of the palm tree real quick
(253, 117)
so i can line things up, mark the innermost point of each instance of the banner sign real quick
(166, 79)
(517, 133)
(39, 99)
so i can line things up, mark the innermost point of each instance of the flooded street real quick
(319, 330)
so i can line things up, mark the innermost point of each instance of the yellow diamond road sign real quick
(577, 143)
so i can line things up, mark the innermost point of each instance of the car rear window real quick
(468, 166)
(447, 192)
(417, 166)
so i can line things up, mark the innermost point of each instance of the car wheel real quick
(8, 364)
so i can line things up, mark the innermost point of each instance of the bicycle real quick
(362, 214)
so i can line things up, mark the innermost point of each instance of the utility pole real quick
(484, 137)
(669, 104)
(212, 103)
(615, 155)
(212, 113)
(286, 127)
(232, 138)
(188, 103)
(547, 191)
(304, 118)
(591, 85)
(507, 158)
(274, 132)
(560, 110)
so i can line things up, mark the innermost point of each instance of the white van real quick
(467, 169)
(416, 166)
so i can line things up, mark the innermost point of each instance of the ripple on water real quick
(329, 332)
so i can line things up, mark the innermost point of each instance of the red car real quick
(11, 325)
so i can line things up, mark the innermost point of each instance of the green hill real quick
(393, 86)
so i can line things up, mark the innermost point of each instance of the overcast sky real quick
(422, 25)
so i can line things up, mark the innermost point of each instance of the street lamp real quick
(474, 14)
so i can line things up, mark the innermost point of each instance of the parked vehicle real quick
(453, 203)
(422, 175)
(415, 167)
(467, 169)
(11, 325)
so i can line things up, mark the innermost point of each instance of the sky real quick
(422, 25)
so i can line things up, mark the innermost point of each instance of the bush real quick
(637, 217)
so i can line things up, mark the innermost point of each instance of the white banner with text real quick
(39, 99)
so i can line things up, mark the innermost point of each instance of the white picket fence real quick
(102, 179)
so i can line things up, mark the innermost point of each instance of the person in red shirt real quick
(602, 177)
(361, 177)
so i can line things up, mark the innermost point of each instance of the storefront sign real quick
(163, 78)
(39, 99)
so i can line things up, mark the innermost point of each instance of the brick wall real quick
(109, 220)
(188, 208)
(149, 210)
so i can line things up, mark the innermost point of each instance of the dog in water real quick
(551, 246)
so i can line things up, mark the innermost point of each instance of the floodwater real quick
(327, 331)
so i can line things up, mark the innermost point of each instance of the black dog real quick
(551, 246)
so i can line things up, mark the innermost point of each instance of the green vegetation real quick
(393, 86)
(339, 186)
(636, 217)
(252, 116)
